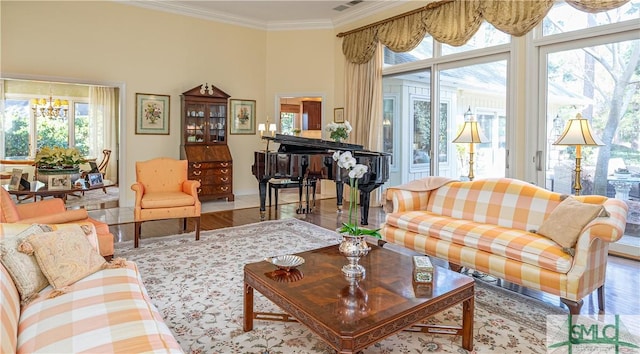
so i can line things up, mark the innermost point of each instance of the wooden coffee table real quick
(352, 317)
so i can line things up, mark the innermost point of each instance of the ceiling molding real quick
(350, 15)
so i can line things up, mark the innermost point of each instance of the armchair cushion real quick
(153, 200)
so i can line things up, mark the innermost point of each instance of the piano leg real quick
(364, 207)
(339, 193)
(263, 199)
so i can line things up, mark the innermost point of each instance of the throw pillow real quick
(567, 220)
(65, 256)
(24, 269)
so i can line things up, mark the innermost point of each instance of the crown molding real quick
(353, 14)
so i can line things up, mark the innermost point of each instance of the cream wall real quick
(149, 51)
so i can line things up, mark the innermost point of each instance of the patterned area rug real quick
(198, 288)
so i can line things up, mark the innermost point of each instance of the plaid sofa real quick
(106, 312)
(489, 225)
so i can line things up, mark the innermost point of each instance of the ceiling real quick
(274, 15)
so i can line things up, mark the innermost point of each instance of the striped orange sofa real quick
(106, 312)
(490, 225)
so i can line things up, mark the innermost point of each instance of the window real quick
(389, 120)
(25, 132)
(563, 18)
(16, 128)
(594, 73)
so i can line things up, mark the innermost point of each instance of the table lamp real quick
(577, 133)
(470, 134)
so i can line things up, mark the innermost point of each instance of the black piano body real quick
(301, 158)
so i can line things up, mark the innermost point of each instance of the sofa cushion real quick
(519, 245)
(567, 220)
(24, 269)
(106, 312)
(66, 256)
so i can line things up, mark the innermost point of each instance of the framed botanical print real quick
(243, 116)
(338, 115)
(152, 114)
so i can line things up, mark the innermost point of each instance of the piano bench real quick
(277, 184)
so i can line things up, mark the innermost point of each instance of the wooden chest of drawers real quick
(213, 167)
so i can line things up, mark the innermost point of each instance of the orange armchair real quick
(163, 191)
(52, 211)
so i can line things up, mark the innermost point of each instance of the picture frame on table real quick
(152, 114)
(243, 116)
(338, 115)
(95, 179)
(59, 182)
(14, 182)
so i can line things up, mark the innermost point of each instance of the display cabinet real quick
(204, 142)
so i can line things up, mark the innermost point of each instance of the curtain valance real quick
(454, 22)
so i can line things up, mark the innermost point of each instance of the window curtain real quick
(454, 22)
(103, 125)
(363, 105)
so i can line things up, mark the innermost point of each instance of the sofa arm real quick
(47, 206)
(400, 200)
(608, 228)
(68, 216)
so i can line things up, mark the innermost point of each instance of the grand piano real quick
(306, 159)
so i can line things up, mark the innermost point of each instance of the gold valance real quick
(454, 22)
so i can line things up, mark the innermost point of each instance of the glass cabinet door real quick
(217, 123)
(195, 122)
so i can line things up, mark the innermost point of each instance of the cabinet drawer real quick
(213, 179)
(196, 165)
(215, 189)
(209, 173)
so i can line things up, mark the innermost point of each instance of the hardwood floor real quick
(623, 275)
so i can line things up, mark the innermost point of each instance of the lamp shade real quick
(272, 127)
(470, 133)
(578, 132)
(261, 127)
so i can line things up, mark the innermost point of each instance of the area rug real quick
(198, 288)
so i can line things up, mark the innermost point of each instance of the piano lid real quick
(290, 143)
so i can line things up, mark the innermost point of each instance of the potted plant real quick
(58, 160)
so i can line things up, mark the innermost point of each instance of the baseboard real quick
(624, 250)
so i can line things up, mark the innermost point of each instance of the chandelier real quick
(50, 109)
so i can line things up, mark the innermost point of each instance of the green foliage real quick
(58, 157)
(16, 141)
(353, 229)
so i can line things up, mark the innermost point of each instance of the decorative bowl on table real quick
(285, 262)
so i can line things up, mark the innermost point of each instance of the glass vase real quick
(353, 248)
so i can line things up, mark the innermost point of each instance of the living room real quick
(142, 50)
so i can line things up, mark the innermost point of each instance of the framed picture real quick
(338, 115)
(59, 182)
(14, 182)
(95, 179)
(152, 114)
(243, 117)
